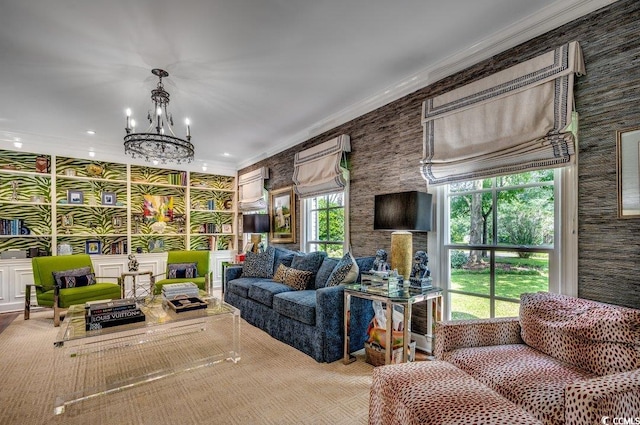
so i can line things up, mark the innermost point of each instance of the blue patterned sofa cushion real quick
(346, 271)
(264, 290)
(241, 285)
(260, 264)
(325, 271)
(310, 262)
(298, 305)
(364, 264)
(282, 256)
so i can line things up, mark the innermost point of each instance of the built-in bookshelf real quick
(55, 204)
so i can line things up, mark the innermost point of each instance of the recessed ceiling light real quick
(155, 162)
(204, 168)
(92, 132)
(17, 144)
(92, 154)
(226, 154)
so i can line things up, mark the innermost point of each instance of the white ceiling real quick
(253, 76)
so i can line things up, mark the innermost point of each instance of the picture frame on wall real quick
(282, 212)
(93, 247)
(227, 228)
(108, 198)
(628, 170)
(75, 197)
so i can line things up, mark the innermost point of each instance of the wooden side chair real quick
(64, 280)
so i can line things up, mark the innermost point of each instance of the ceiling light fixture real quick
(157, 143)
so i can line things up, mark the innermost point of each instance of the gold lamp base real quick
(256, 238)
(402, 253)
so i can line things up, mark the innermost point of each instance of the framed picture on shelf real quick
(93, 247)
(248, 247)
(155, 245)
(227, 228)
(108, 198)
(282, 210)
(75, 197)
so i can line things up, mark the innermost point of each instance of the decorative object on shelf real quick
(70, 172)
(402, 212)
(227, 204)
(133, 263)
(37, 199)
(75, 197)
(156, 245)
(628, 154)
(42, 164)
(93, 247)
(283, 215)
(94, 170)
(256, 224)
(66, 220)
(14, 189)
(180, 221)
(108, 198)
(116, 221)
(158, 226)
(159, 142)
(227, 228)
(65, 249)
(380, 263)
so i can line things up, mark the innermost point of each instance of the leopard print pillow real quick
(298, 279)
(280, 274)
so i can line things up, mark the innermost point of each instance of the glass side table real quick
(402, 296)
(133, 293)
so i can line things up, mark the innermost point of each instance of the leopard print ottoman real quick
(437, 393)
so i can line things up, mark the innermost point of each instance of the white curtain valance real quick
(251, 190)
(317, 170)
(512, 121)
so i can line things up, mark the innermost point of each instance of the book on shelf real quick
(178, 179)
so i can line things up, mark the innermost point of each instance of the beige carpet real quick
(272, 384)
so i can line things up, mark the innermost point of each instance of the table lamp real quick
(256, 224)
(403, 213)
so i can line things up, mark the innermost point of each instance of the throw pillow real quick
(298, 279)
(310, 262)
(346, 271)
(182, 270)
(81, 271)
(76, 281)
(259, 264)
(280, 274)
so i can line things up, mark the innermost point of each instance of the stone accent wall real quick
(387, 148)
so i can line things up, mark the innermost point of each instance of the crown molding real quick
(545, 20)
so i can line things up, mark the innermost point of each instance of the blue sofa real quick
(310, 320)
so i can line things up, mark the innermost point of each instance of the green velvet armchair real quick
(201, 259)
(60, 298)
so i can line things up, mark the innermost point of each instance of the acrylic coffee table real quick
(120, 357)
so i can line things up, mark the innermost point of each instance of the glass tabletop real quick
(399, 294)
(156, 314)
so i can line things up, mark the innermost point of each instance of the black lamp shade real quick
(403, 211)
(255, 223)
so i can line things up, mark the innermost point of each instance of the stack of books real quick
(112, 313)
(173, 290)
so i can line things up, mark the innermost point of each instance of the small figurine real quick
(380, 263)
(133, 263)
(419, 270)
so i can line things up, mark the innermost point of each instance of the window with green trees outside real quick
(500, 240)
(325, 224)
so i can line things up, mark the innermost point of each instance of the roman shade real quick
(251, 190)
(515, 120)
(318, 170)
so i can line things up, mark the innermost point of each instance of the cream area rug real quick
(272, 384)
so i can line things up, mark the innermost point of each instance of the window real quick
(502, 240)
(325, 224)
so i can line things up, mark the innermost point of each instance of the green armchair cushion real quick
(201, 260)
(43, 277)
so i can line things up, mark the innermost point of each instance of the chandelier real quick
(157, 143)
